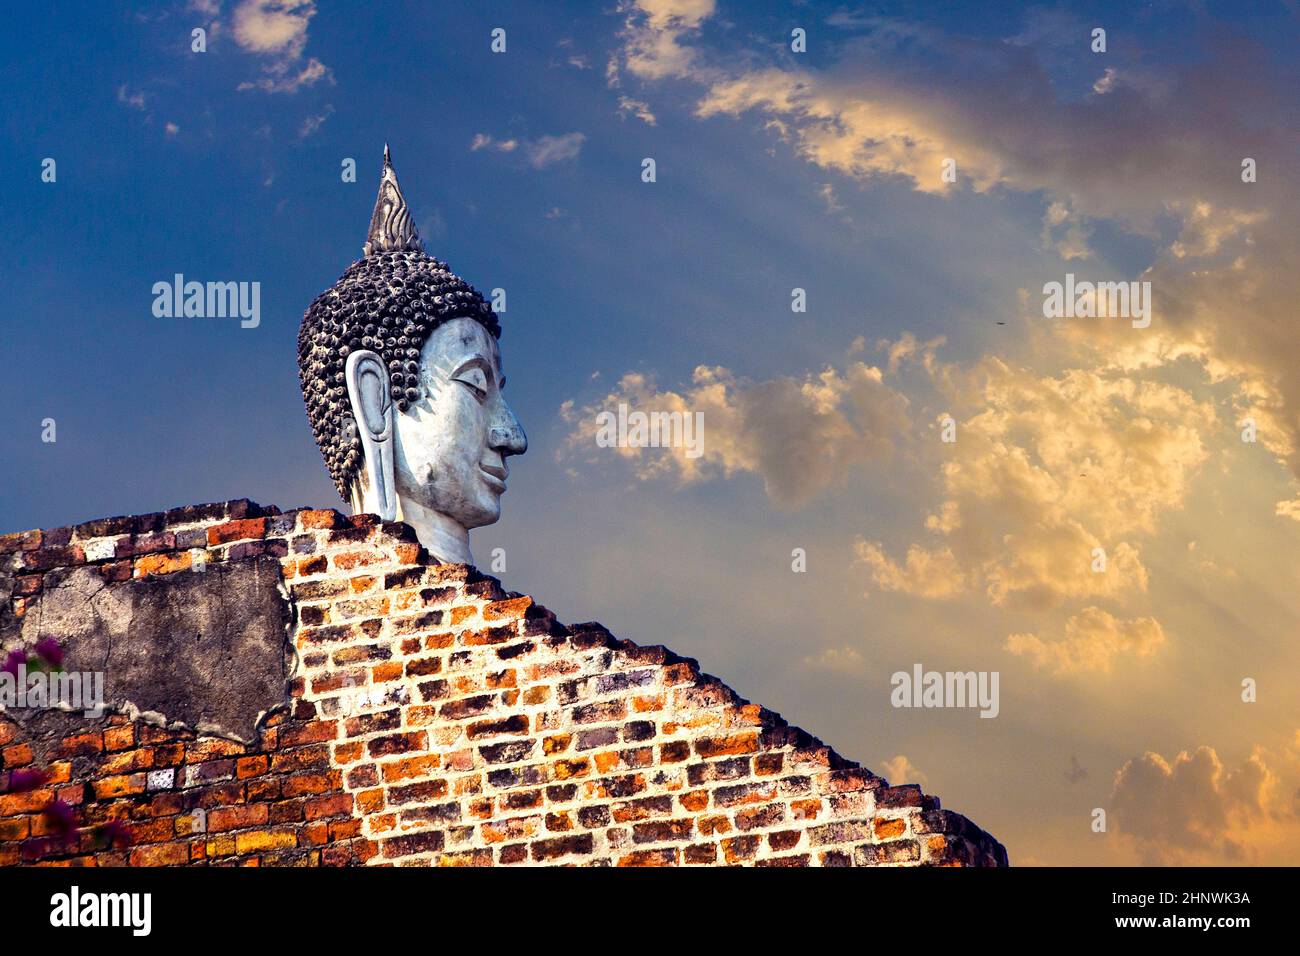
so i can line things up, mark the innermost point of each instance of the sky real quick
(1112, 529)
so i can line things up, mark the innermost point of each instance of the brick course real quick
(436, 719)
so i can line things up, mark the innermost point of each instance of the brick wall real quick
(433, 718)
(178, 799)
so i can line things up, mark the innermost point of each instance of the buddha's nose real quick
(506, 434)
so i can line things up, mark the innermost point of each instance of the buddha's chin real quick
(487, 509)
(481, 506)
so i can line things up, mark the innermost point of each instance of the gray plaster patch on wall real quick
(206, 650)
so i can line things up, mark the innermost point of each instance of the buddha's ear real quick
(372, 407)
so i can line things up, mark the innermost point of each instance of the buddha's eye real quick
(474, 379)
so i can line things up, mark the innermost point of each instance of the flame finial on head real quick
(391, 227)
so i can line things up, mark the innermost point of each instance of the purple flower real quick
(63, 818)
(12, 661)
(20, 781)
(116, 833)
(50, 650)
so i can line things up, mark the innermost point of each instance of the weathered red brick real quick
(236, 530)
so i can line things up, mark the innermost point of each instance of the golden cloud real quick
(1093, 641)
(1195, 811)
(802, 436)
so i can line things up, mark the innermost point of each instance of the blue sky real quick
(775, 170)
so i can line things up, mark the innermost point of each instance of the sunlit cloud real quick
(1044, 471)
(923, 573)
(276, 30)
(1144, 147)
(654, 33)
(627, 106)
(898, 770)
(839, 660)
(1195, 810)
(1094, 640)
(801, 435)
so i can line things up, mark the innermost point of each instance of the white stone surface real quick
(100, 549)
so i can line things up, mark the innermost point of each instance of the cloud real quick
(273, 26)
(908, 351)
(1094, 640)
(277, 31)
(539, 153)
(1123, 155)
(802, 436)
(1193, 810)
(1205, 229)
(135, 99)
(484, 141)
(924, 573)
(1064, 232)
(840, 660)
(827, 192)
(549, 150)
(899, 770)
(638, 108)
(1289, 509)
(653, 35)
(312, 123)
(578, 61)
(851, 129)
(846, 20)
(1052, 28)
(285, 77)
(1149, 145)
(1045, 469)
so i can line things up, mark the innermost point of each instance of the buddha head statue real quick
(401, 373)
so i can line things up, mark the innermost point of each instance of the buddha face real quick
(452, 443)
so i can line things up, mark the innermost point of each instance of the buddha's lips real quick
(496, 475)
